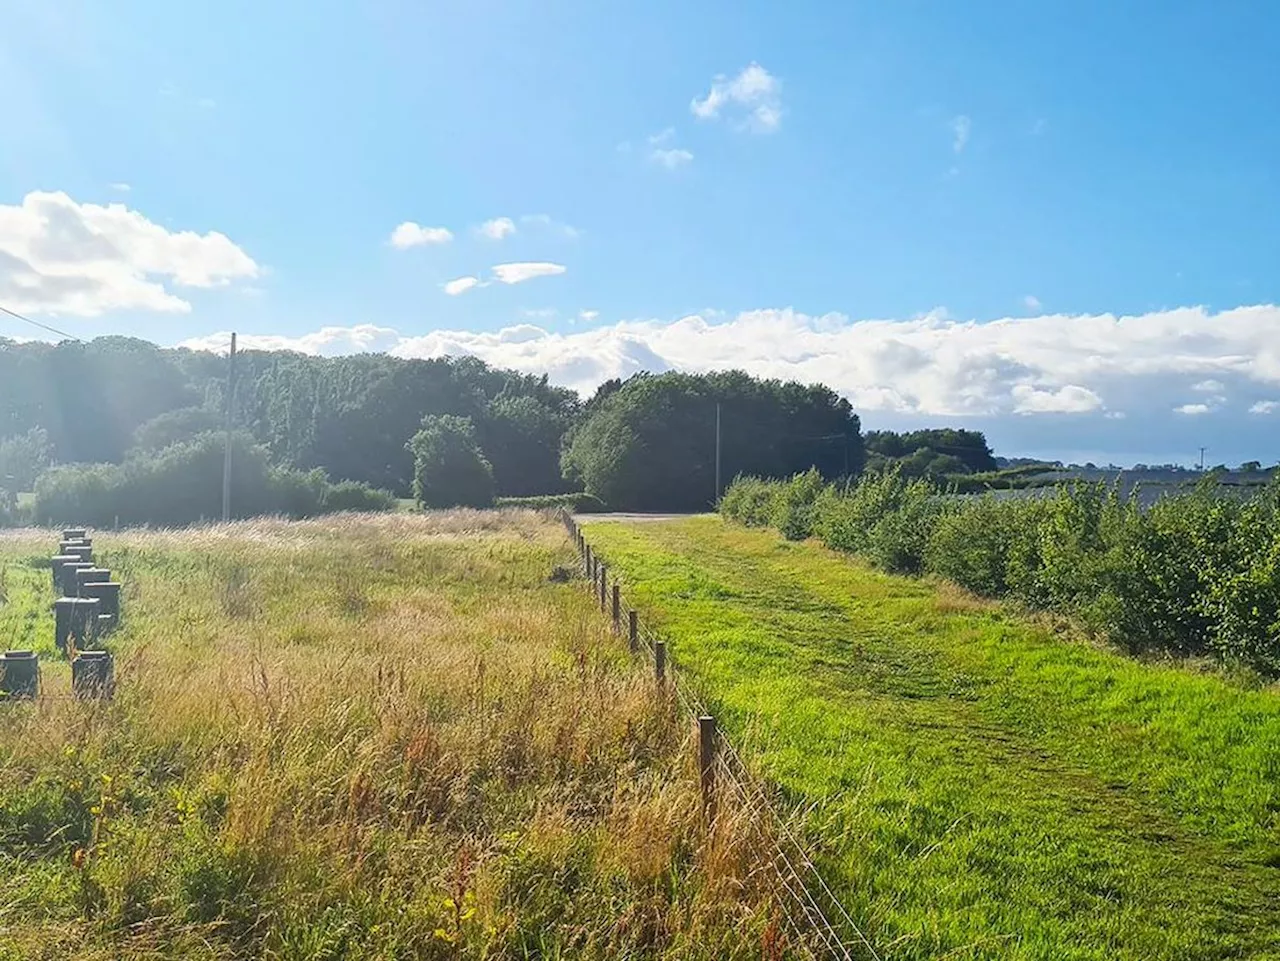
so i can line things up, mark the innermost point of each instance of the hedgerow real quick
(1197, 573)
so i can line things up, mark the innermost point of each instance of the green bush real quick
(576, 503)
(792, 503)
(899, 541)
(182, 484)
(449, 469)
(845, 519)
(749, 501)
(970, 545)
(354, 496)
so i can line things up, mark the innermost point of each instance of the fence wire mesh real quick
(816, 918)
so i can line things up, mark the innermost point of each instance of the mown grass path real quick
(979, 787)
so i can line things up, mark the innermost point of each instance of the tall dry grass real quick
(359, 737)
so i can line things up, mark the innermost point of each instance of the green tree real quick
(651, 444)
(24, 458)
(449, 469)
(521, 436)
(969, 447)
(175, 427)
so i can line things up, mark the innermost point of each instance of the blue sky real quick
(988, 183)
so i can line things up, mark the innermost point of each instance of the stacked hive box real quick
(86, 609)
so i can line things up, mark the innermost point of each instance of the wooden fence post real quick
(617, 607)
(604, 587)
(633, 631)
(707, 765)
(587, 562)
(660, 661)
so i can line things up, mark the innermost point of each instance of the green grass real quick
(364, 737)
(978, 787)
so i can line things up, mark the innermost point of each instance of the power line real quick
(36, 323)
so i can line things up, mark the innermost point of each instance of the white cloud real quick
(1265, 407)
(520, 272)
(121, 188)
(1069, 399)
(1192, 410)
(754, 90)
(497, 228)
(538, 313)
(58, 256)
(961, 126)
(931, 365)
(409, 234)
(327, 341)
(460, 285)
(1031, 302)
(670, 158)
(663, 152)
(548, 223)
(1209, 386)
(588, 316)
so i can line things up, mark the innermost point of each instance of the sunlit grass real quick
(358, 737)
(979, 787)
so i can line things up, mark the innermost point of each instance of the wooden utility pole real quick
(231, 406)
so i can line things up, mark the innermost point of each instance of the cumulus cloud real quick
(933, 365)
(1192, 410)
(120, 187)
(520, 272)
(961, 126)
(1069, 399)
(754, 92)
(460, 285)
(497, 228)
(1265, 407)
(327, 341)
(1031, 302)
(1209, 386)
(409, 234)
(58, 256)
(588, 316)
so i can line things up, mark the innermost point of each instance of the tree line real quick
(444, 431)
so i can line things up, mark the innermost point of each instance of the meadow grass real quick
(977, 786)
(356, 737)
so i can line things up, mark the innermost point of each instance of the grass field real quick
(384, 737)
(977, 787)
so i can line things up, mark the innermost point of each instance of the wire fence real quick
(822, 926)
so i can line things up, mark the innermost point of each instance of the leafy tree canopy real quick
(449, 469)
(650, 444)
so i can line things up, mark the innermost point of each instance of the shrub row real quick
(1196, 573)
(578, 503)
(183, 484)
